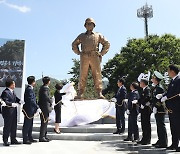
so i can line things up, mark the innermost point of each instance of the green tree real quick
(51, 86)
(12, 50)
(141, 55)
(75, 71)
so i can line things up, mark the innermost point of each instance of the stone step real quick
(83, 136)
(91, 132)
(90, 128)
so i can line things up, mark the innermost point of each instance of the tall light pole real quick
(145, 12)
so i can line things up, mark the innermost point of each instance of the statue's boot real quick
(100, 95)
(79, 96)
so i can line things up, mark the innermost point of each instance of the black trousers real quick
(174, 119)
(10, 123)
(27, 129)
(120, 118)
(161, 129)
(43, 127)
(146, 124)
(132, 126)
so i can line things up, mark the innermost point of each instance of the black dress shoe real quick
(48, 139)
(121, 132)
(43, 140)
(6, 144)
(26, 142)
(135, 140)
(178, 149)
(128, 139)
(160, 146)
(155, 144)
(139, 142)
(116, 132)
(145, 143)
(15, 142)
(171, 148)
(33, 141)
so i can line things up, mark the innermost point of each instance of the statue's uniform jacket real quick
(90, 57)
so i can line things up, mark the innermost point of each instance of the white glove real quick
(127, 112)
(159, 96)
(113, 100)
(14, 105)
(134, 101)
(154, 110)
(164, 99)
(3, 103)
(22, 102)
(125, 100)
(38, 111)
(148, 104)
(142, 106)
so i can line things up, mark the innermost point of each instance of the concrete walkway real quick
(86, 147)
(81, 147)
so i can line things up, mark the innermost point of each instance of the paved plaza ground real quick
(84, 147)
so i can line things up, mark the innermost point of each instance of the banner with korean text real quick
(12, 65)
(11, 61)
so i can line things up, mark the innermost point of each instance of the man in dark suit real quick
(9, 113)
(145, 110)
(45, 104)
(133, 111)
(29, 109)
(120, 107)
(172, 100)
(159, 110)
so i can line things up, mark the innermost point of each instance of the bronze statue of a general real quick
(90, 56)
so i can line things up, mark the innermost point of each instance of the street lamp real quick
(145, 12)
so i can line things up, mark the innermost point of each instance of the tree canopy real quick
(141, 55)
(12, 50)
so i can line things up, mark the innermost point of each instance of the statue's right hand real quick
(100, 58)
(79, 53)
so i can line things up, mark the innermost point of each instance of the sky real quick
(50, 26)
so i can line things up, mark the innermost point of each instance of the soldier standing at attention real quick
(90, 57)
(145, 110)
(133, 111)
(159, 111)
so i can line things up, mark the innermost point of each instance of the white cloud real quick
(2, 1)
(23, 9)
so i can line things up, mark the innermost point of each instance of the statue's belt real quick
(92, 52)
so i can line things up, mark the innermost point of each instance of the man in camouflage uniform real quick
(90, 57)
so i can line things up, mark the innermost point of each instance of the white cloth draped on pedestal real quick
(82, 112)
